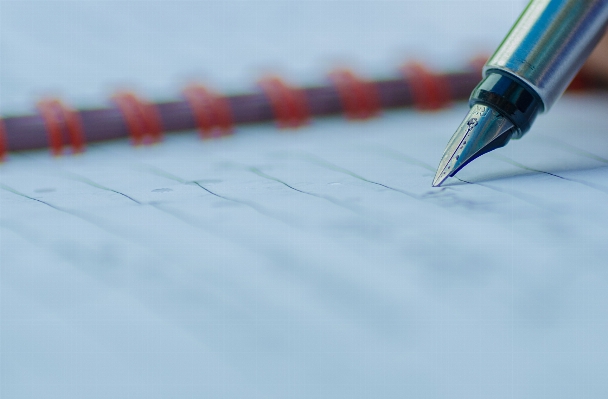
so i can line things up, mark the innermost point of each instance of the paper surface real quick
(314, 263)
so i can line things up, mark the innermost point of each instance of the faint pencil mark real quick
(521, 166)
(38, 242)
(159, 172)
(594, 186)
(85, 180)
(32, 239)
(7, 225)
(161, 190)
(449, 197)
(321, 162)
(212, 229)
(178, 215)
(570, 148)
(277, 255)
(78, 214)
(44, 190)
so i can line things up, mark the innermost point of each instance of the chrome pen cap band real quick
(549, 43)
(509, 96)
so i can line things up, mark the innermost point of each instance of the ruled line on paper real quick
(443, 196)
(85, 180)
(528, 198)
(256, 207)
(328, 165)
(80, 215)
(400, 156)
(574, 180)
(570, 148)
(265, 175)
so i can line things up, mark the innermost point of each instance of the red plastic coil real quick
(359, 98)
(211, 112)
(288, 103)
(58, 118)
(142, 118)
(52, 125)
(431, 91)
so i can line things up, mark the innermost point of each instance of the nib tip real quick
(483, 130)
(438, 181)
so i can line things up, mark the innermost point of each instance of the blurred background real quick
(83, 50)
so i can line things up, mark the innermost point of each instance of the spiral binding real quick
(60, 127)
(288, 103)
(359, 98)
(142, 118)
(429, 89)
(58, 118)
(211, 111)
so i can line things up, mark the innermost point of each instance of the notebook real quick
(314, 263)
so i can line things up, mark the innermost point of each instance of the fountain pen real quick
(529, 71)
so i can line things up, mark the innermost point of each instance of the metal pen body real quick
(549, 43)
(526, 75)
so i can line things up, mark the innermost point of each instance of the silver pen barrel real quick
(549, 43)
(526, 75)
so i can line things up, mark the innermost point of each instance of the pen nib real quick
(482, 131)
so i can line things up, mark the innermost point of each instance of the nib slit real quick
(483, 130)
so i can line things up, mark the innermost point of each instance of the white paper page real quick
(317, 261)
(313, 263)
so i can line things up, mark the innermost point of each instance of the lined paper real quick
(312, 261)
(317, 263)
